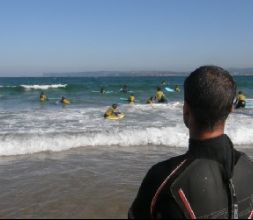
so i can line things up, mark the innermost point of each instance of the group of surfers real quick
(160, 97)
(44, 98)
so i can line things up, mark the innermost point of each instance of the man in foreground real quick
(212, 180)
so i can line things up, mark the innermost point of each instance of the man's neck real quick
(207, 134)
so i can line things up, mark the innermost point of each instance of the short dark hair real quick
(210, 92)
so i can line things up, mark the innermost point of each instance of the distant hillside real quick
(233, 71)
(115, 74)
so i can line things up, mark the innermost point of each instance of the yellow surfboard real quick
(66, 102)
(114, 117)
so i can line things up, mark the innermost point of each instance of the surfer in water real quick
(43, 97)
(124, 89)
(131, 99)
(64, 101)
(177, 88)
(164, 83)
(240, 100)
(102, 90)
(160, 96)
(112, 111)
(211, 180)
(150, 100)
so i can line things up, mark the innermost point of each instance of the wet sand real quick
(79, 183)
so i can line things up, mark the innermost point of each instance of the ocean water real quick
(27, 126)
(69, 162)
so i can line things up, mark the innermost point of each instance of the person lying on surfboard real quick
(112, 111)
(65, 101)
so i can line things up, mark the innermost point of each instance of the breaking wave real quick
(20, 144)
(43, 87)
(162, 125)
(34, 87)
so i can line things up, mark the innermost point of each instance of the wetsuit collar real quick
(219, 149)
(222, 139)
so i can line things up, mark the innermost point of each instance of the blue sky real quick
(38, 36)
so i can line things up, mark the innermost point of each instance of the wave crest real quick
(20, 144)
(43, 87)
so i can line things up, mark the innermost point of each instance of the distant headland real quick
(233, 71)
(115, 74)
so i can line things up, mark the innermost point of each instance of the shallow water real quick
(74, 184)
(77, 183)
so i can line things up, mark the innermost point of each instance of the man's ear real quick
(186, 114)
(186, 108)
(232, 109)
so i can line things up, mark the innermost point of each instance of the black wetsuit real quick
(212, 180)
(241, 104)
(163, 100)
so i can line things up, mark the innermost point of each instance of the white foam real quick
(249, 104)
(8, 86)
(145, 125)
(240, 129)
(32, 143)
(43, 87)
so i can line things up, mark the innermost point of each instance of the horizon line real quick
(245, 71)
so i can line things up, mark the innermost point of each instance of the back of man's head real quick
(210, 92)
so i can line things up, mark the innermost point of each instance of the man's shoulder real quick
(163, 169)
(244, 164)
(243, 156)
(246, 156)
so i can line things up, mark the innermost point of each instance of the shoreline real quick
(78, 183)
